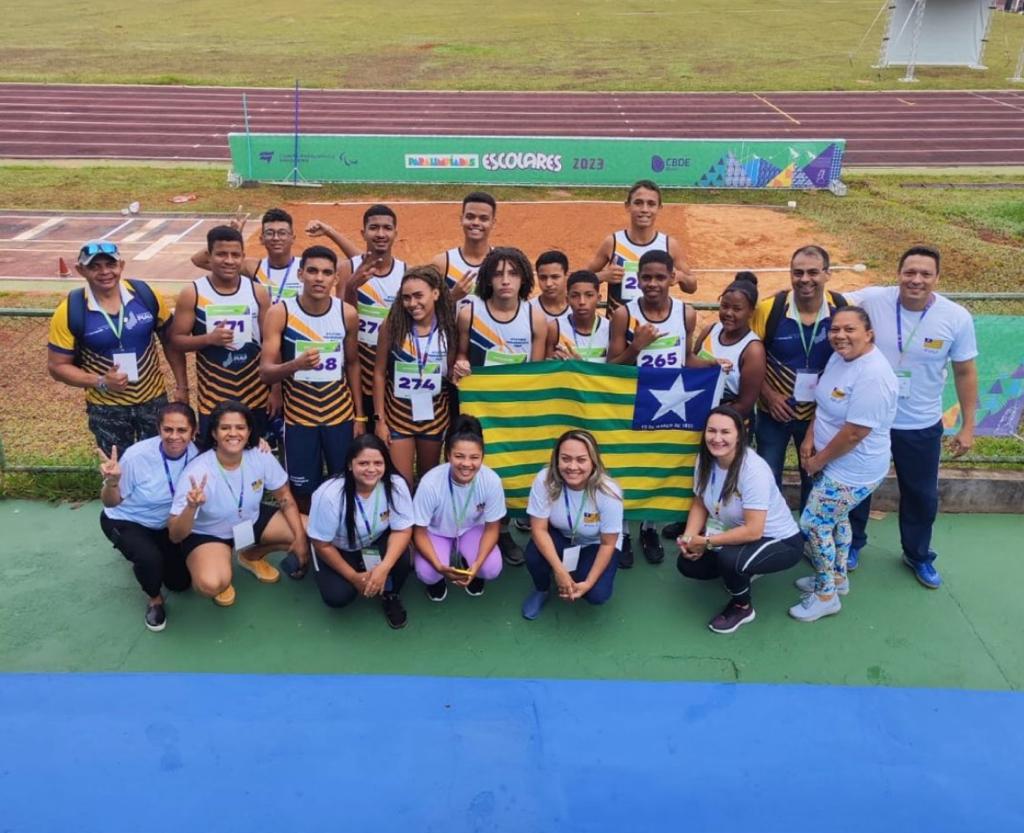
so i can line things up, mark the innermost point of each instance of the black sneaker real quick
(476, 587)
(437, 592)
(394, 611)
(156, 617)
(653, 551)
(672, 531)
(626, 553)
(732, 618)
(511, 552)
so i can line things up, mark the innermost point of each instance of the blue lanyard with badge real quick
(167, 468)
(459, 516)
(371, 555)
(419, 382)
(571, 554)
(243, 533)
(291, 291)
(806, 382)
(125, 361)
(905, 375)
(587, 351)
(714, 524)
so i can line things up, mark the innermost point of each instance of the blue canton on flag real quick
(669, 398)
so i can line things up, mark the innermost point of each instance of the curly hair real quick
(399, 323)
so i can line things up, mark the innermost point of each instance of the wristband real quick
(101, 384)
(360, 419)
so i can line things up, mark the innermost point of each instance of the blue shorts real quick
(309, 449)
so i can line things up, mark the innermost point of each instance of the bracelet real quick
(360, 419)
(108, 484)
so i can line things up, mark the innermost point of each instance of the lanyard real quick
(574, 525)
(110, 322)
(167, 468)
(241, 484)
(814, 334)
(374, 514)
(284, 278)
(460, 515)
(422, 361)
(718, 500)
(590, 338)
(899, 324)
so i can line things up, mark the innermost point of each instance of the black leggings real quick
(736, 564)
(156, 560)
(335, 589)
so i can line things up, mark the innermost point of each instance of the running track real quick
(900, 128)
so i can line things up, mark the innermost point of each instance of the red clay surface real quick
(899, 128)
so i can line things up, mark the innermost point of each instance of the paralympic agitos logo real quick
(522, 161)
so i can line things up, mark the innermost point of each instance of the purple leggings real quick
(469, 546)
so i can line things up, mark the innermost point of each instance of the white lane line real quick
(142, 232)
(35, 231)
(186, 231)
(116, 229)
(151, 251)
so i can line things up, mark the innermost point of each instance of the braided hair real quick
(399, 323)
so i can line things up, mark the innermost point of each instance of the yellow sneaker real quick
(261, 569)
(225, 598)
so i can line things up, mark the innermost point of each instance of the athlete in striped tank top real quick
(460, 265)
(310, 348)
(501, 328)
(552, 269)
(617, 259)
(582, 334)
(414, 356)
(219, 317)
(653, 331)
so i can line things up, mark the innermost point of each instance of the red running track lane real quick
(191, 123)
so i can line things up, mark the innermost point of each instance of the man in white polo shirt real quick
(919, 332)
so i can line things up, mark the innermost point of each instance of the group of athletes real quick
(361, 357)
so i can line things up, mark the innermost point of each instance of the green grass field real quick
(531, 44)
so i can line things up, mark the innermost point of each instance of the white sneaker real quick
(812, 607)
(806, 585)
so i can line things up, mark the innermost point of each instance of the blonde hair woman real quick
(576, 525)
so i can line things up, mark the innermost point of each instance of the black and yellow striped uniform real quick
(374, 300)
(426, 350)
(315, 403)
(222, 372)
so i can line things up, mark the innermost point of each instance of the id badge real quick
(454, 556)
(496, 357)
(371, 319)
(422, 406)
(330, 366)
(411, 380)
(571, 558)
(904, 377)
(244, 535)
(713, 527)
(371, 558)
(128, 364)
(630, 281)
(805, 386)
(238, 317)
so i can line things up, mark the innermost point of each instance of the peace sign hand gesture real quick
(109, 467)
(196, 495)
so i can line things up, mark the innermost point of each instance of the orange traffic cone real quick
(62, 268)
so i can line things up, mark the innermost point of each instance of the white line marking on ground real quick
(142, 232)
(37, 230)
(116, 229)
(150, 252)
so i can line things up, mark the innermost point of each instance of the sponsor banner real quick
(510, 160)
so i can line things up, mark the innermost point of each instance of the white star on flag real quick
(673, 400)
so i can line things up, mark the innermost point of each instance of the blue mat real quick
(110, 753)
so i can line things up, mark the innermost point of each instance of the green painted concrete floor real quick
(69, 602)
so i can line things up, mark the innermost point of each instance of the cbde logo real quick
(671, 163)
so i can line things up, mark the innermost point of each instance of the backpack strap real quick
(76, 321)
(146, 295)
(775, 314)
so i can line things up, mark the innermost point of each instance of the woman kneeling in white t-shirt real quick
(218, 507)
(360, 524)
(576, 526)
(739, 526)
(846, 451)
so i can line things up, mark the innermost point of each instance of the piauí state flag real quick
(647, 422)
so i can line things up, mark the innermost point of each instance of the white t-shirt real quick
(600, 516)
(259, 471)
(863, 392)
(327, 513)
(757, 490)
(433, 505)
(147, 489)
(944, 334)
